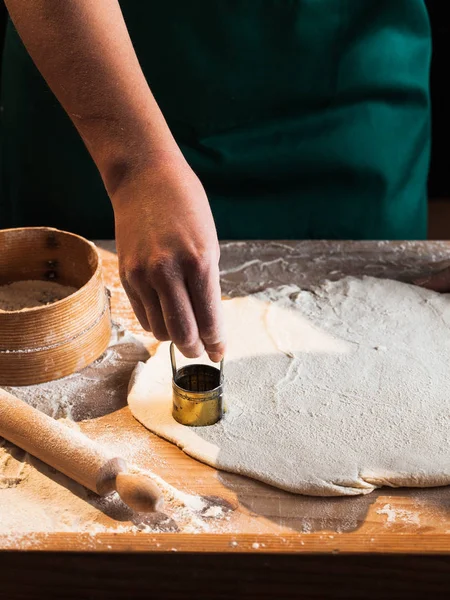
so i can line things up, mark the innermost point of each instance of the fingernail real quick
(216, 357)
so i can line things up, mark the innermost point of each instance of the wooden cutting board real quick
(267, 519)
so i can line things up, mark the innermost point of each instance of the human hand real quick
(169, 256)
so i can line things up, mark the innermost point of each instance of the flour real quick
(35, 499)
(335, 391)
(213, 512)
(395, 515)
(23, 295)
(96, 390)
(13, 466)
(48, 502)
(42, 501)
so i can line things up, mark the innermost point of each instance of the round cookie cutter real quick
(49, 342)
(197, 393)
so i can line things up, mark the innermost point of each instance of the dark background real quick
(439, 180)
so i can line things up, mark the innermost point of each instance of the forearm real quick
(84, 52)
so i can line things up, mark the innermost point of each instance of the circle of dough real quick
(332, 392)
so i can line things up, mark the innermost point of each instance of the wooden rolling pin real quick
(75, 455)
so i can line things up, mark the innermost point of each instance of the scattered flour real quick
(36, 500)
(96, 390)
(22, 295)
(13, 465)
(395, 515)
(213, 512)
(335, 391)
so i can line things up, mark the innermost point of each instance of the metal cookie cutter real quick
(197, 393)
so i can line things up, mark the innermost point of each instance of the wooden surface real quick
(267, 519)
(338, 547)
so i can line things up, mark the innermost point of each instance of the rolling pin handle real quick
(106, 481)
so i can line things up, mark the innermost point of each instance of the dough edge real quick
(195, 447)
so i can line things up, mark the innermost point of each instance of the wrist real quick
(123, 167)
(128, 140)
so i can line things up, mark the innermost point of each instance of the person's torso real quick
(303, 118)
(322, 101)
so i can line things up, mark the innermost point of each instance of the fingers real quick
(180, 302)
(136, 305)
(180, 319)
(162, 292)
(204, 288)
(145, 304)
(438, 282)
(155, 315)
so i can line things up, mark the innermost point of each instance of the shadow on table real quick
(98, 390)
(290, 417)
(111, 506)
(311, 514)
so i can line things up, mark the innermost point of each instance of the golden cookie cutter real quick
(197, 392)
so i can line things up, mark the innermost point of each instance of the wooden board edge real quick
(390, 543)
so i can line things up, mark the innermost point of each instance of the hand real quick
(169, 256)
(438, 282)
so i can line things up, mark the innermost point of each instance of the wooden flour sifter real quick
(49, 342)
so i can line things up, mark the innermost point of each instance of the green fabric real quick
(303, 119)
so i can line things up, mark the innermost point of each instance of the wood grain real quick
(52, 341)
(267, 520)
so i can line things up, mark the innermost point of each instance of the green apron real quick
(302, 118)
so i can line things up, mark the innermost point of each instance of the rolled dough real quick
(332, 392)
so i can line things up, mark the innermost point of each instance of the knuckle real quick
(157, 269)
(186, 339)
(210, 333)
(134, 274)
(161, 267)
(198, 262)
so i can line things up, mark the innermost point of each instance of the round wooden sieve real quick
(49, 342)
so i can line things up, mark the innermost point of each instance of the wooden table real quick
(275, 543)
